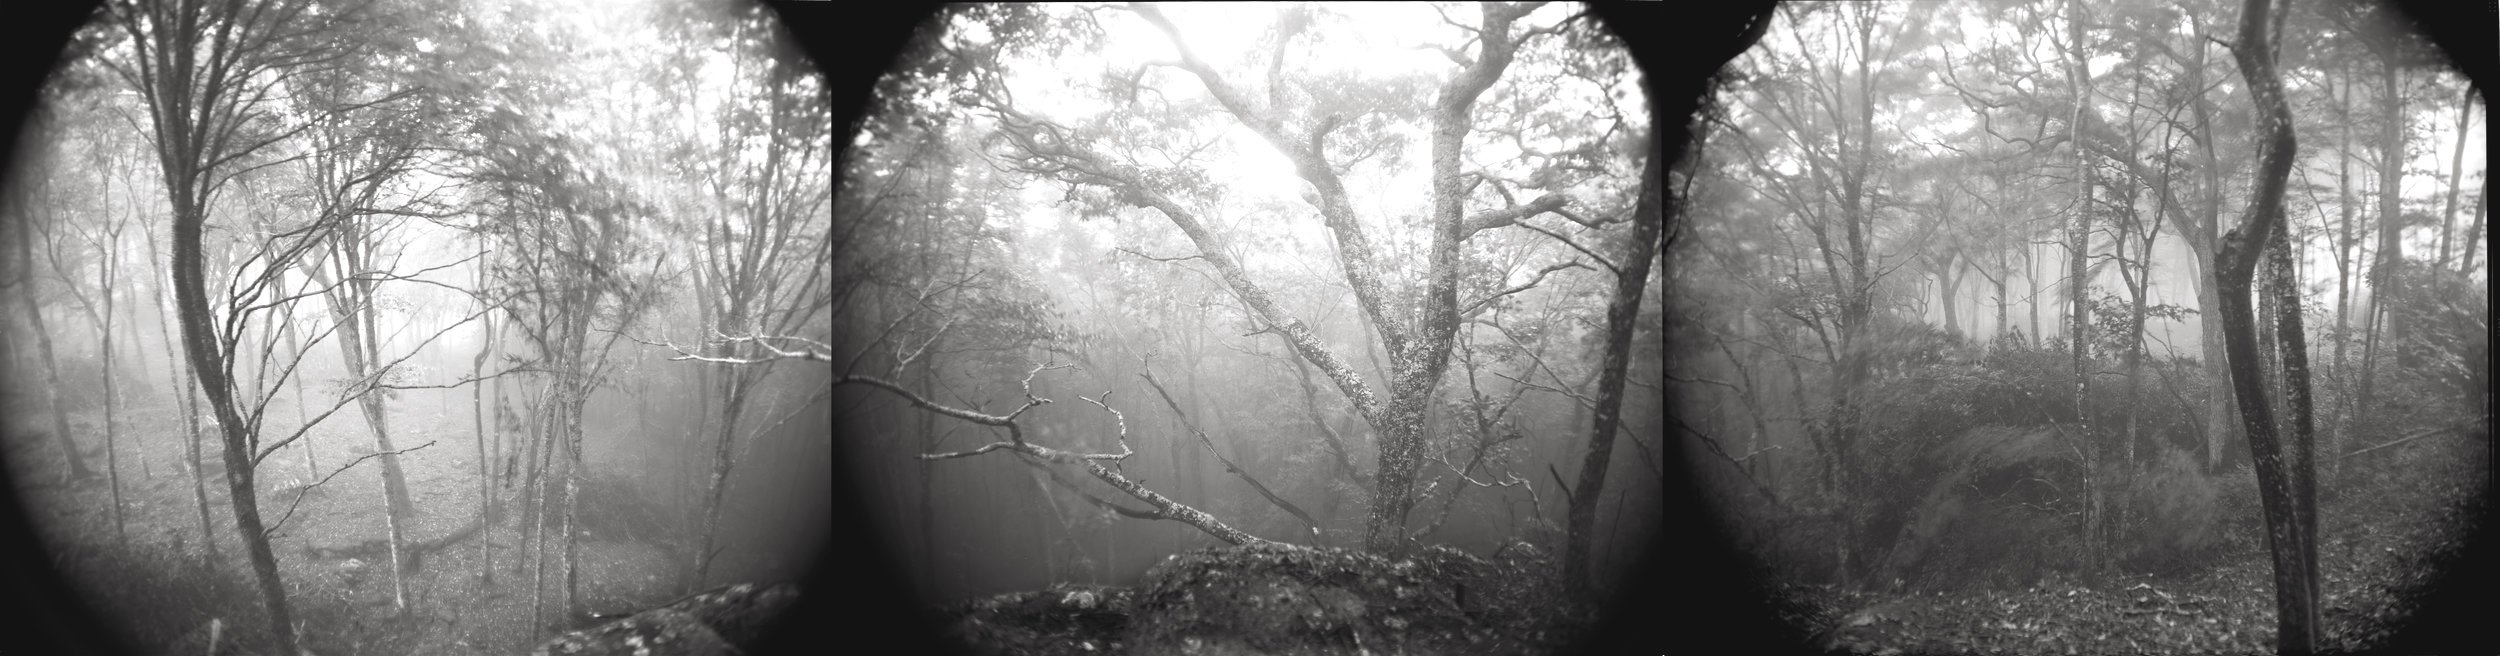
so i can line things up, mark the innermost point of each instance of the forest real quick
(1252, 328)
(418, 327)
(2089, 327)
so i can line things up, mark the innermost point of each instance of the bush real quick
(2178, 511)
(1990, 517)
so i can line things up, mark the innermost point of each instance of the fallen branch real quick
(1165, 507)
(1099, 502)
(1229, 467)
(2408, 438)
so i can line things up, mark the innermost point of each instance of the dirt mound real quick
(1281, 599)
(1064, 620)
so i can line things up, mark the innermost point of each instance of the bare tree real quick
(207, 72)
(25, 202)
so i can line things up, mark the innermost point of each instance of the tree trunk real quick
(2031, 277)
(927, 552)
(2078, 285)
(2456, 171)
(2289, 537)
(351, 305)
(575, 394)
(286, 330)
(2292, 347)
(2474, 233)
(1999, 283)
(189, 398)
(733, 404)
(540, 457)
(207, 364)
(2201, 236)
(112, 403)
(2377, 321)
(2343, 269)
(477, 423)
(1622, 316)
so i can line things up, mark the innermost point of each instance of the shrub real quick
(2178, 511)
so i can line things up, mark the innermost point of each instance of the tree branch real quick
(1166, 508)
(1491, 219)
(299, 494)
(1229, 466)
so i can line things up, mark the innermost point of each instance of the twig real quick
(2408, 438)
(1559, 484)
(299, 494)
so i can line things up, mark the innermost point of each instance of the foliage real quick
(2178, 508)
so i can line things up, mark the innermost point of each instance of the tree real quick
(1415, 319)
(1631, 269)
(2285, 487)
(770, 149)
(24, 202)
(364, 139)
(107, 272)
(215, 79)
(207, 72)
(1830, 110)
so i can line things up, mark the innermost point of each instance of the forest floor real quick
(1286, 599)
(2381, 548)
(146, 576)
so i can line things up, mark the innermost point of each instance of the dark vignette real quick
(39, 614)
(1699, 587)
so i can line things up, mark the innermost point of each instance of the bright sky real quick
(1391, 41)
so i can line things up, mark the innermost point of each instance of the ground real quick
(1283, 599)
(147, 575)
(2378, 553)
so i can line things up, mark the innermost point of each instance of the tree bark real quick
(2078, 273)
(2343, 264)
(1418, 344)
(2474, 233)
(733, 404)
(2289, 537)
(2456, 171)
(207, 363)
(1622, 316)
(351, 305)
(477, 423)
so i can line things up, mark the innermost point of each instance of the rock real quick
(717, 622)
(1282, 599)
(657, 632)
(1064, 620)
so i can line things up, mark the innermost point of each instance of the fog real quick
(419, 327)
(2090, 327)
(1146, 289)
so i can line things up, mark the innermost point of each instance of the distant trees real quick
(31, 211)
(759, 224)
(206, 72)
(2069, 139)
(1486, 199)
(214, 79)
(1824, 177)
